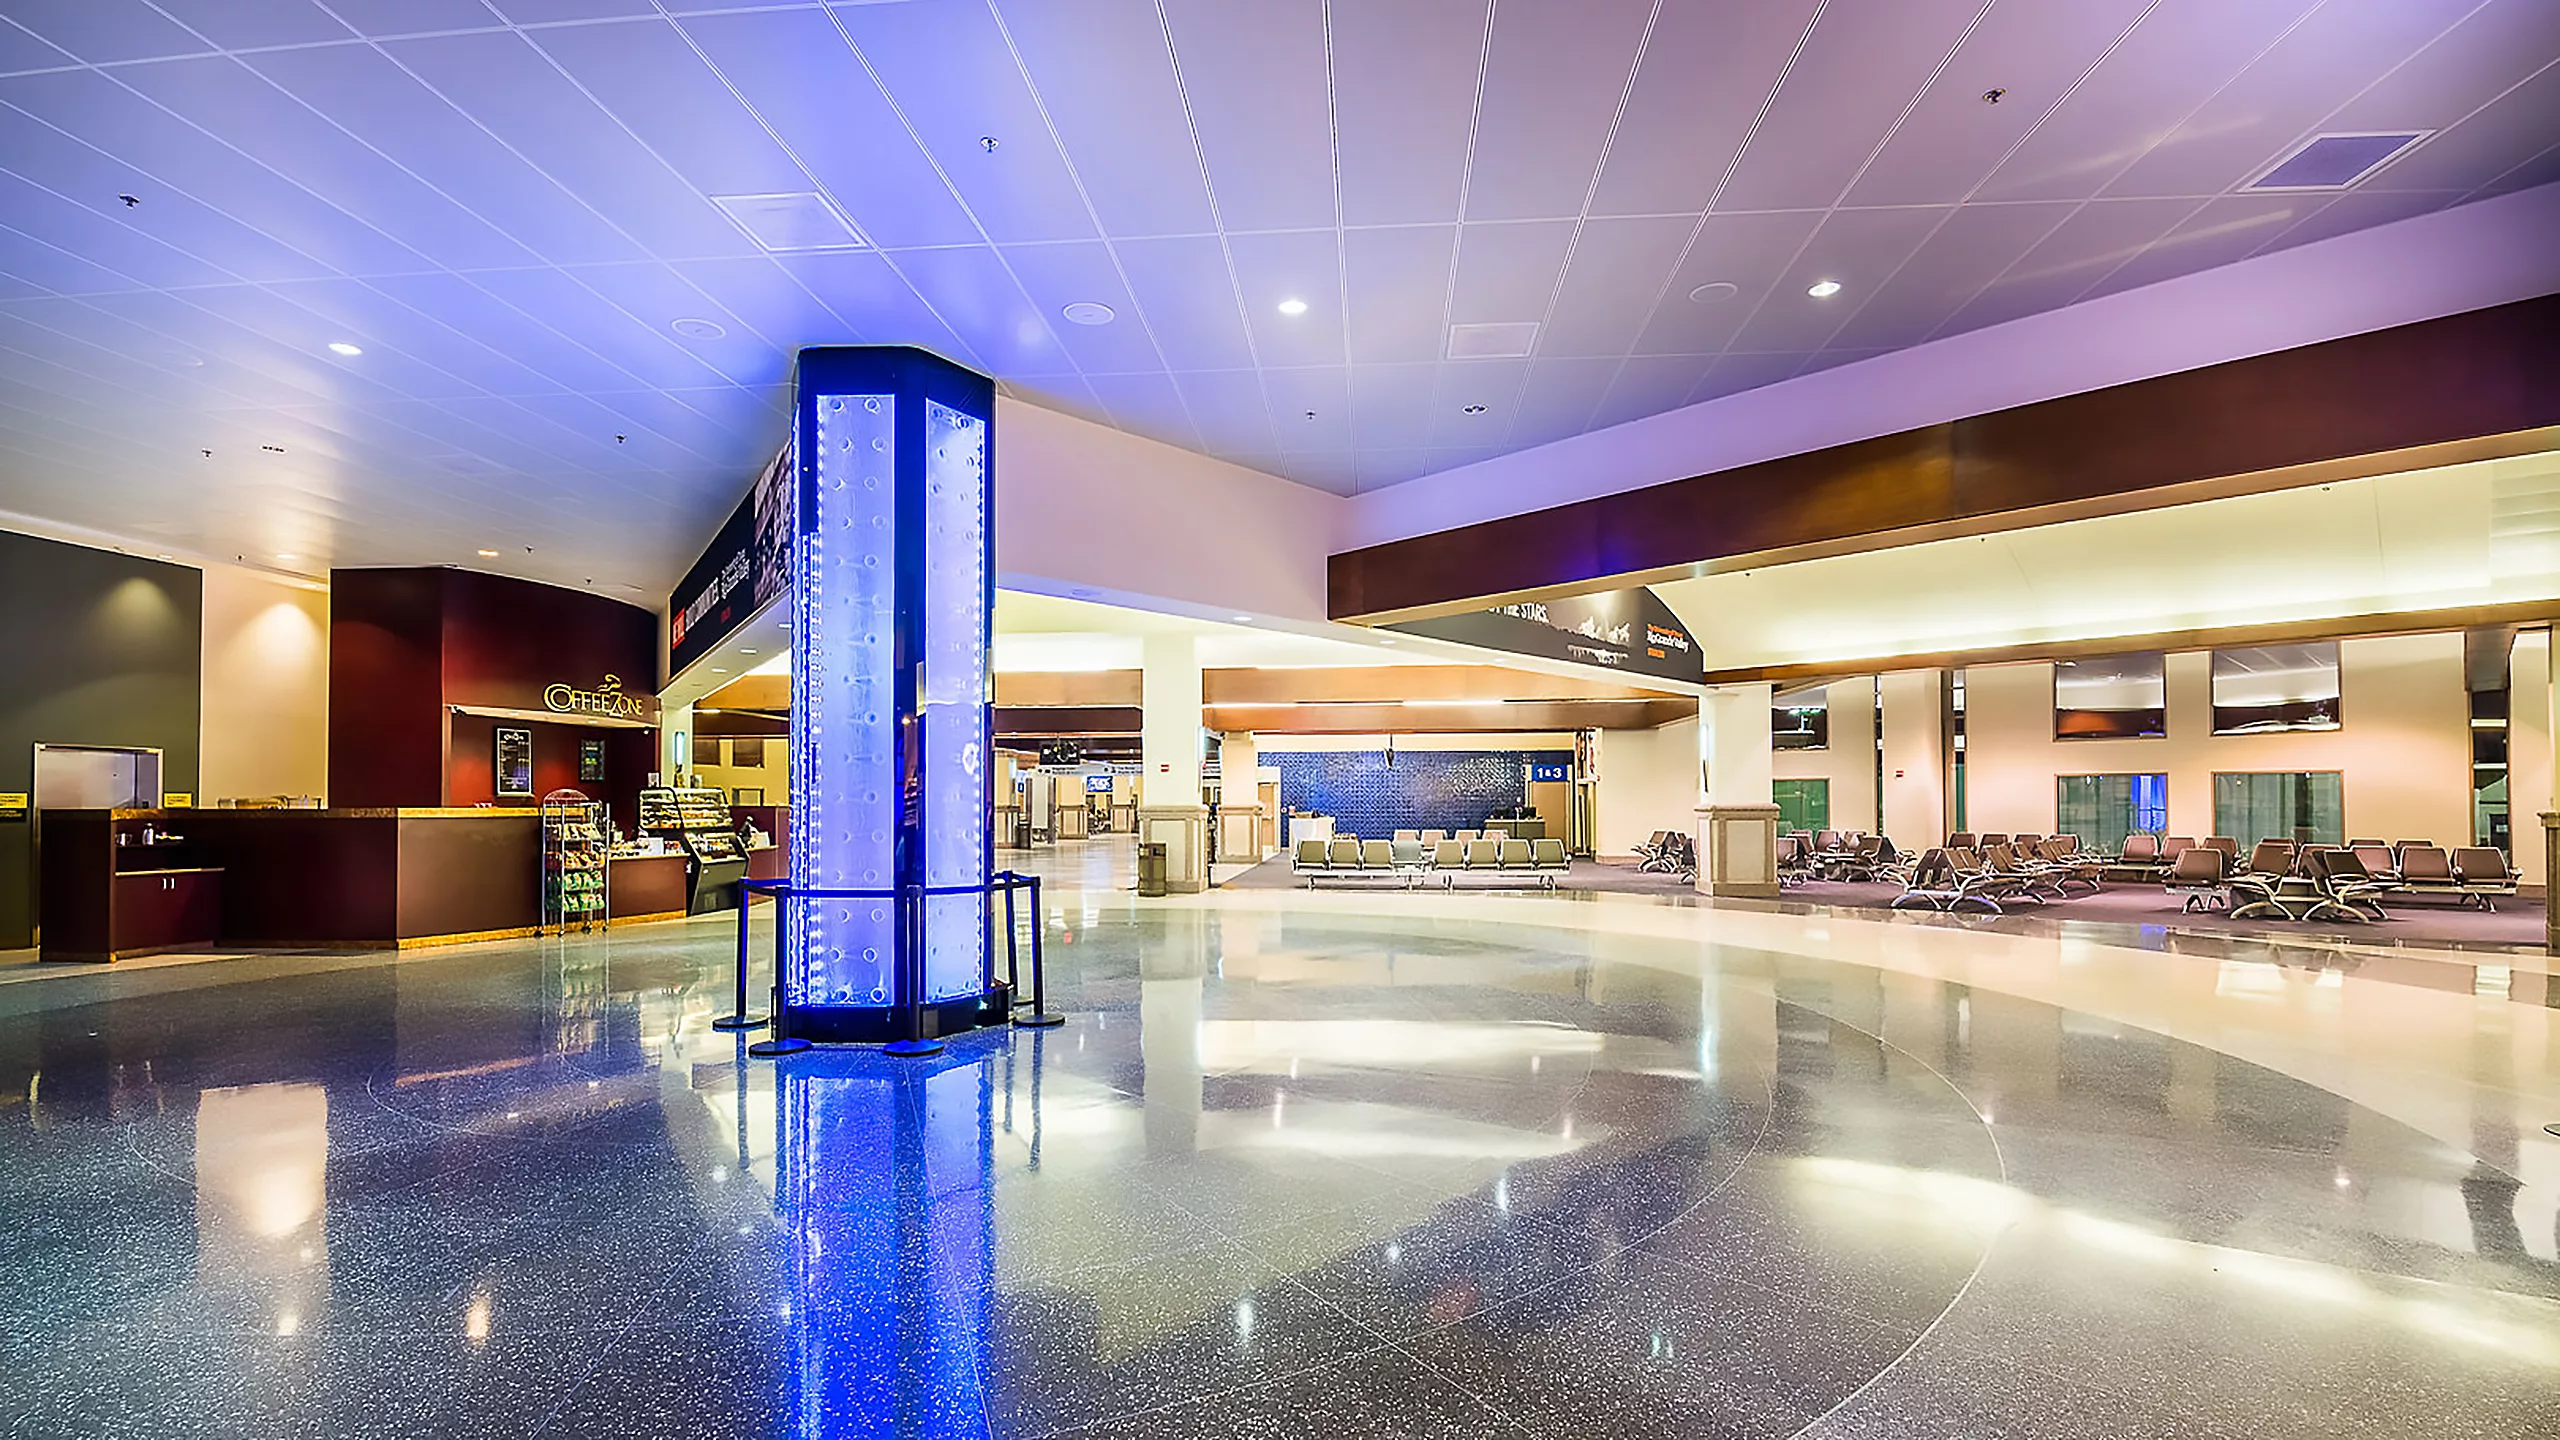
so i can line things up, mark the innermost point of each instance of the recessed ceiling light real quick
(1474, 410)
(1090, 312)
(488, 554)
(282, 556)
(694, 329)
(746, 649)
(1293, 306)
(719, 670)
(1823, 289)
(1244, 619)
(1386, 642)
(1715, 292)
(341, 347)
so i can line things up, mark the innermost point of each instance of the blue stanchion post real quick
(738, 1018)
(1040, 1017)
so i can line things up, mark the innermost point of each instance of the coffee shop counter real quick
(358, 879)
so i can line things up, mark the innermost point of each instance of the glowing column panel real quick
(889, 784)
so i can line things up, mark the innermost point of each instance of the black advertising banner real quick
(1630, 630)
(746, 568)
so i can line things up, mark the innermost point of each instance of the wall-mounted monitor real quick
(1801, 720)
(2269, 688)
(2111, 697)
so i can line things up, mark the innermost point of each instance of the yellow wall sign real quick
(178, 800)
(13, 804)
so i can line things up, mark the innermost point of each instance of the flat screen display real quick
(2111, 697)
(2268, 688)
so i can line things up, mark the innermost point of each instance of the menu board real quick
(514, 768)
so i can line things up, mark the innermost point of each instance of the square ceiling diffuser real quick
(1502, 340)
(2334, 162)
(801, 221)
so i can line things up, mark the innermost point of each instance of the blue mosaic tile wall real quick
(1423, 790)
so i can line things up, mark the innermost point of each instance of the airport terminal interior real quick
(989, 719)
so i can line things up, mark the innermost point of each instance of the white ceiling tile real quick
(1744, 370)
(649, 77)
(1493, 384)
(2232, 228)
(1749, 252)
(657, 296)
(104, 31)
(800, 75)
(166, 154)
(1508, 272)
(1391, 405)
(470, 307)
(2359, 210)
(1103, 70)
(1303, 265)
(1404, 91)
(242, 109)
(357, 313)
(1649, 385)
(1254, 76)
(1398, 277)
(1975, 245)
(956, 82)
(2079, 253)
(646, 348)
(413, 17)
(2338, 50)
(511, 88)
(359, 89)
(769, 301)
(1337, 473)
(2175, 59)
(1190, 301)
(23, 50)
(544, 12)
(53, 268)
(246, 24)
(2543, 169)
(1557, 399)
(973, 292)
(2510, 131)
(1323, 391)
(2030, 50)
(1056, 276)
(1148, 404)
(2498, 45)
(872, 299)
(1553, 79)
(1617, 272)
(1380, 468)
(1866, 61)
(1861, 249)
(1228, 407)
(1705, 75)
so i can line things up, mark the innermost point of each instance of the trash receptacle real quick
(1021, 829)
(1151, 863)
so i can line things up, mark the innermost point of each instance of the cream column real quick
(1737, 823)
(1239, 799)
(2529, 748)
(1915, 756)
(1169, 809)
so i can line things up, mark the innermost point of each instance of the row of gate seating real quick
(1412, 863)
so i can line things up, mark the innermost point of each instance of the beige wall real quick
(2403, 744)
(1914, 723)
(1849, 761)
(266, 686)
(773, 777)
(1648, 782)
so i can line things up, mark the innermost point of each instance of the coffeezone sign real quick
(609, 700)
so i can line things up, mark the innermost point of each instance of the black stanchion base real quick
(912, 1049)
(740, 1022)
(765, 1049)
(1039, 1019)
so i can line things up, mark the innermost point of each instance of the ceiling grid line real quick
(1457, 230)
(1217, 215)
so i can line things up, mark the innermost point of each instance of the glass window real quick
(2275, 687)
(2111, 697)
(1802, 804)
(2103, 809)
(2306, 806)
(1801, 721)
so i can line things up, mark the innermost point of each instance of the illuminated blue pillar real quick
(894, 581)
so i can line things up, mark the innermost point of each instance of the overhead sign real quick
(747, 567)
(1630, 630)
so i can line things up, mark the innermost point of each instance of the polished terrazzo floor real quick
(1331, 1165)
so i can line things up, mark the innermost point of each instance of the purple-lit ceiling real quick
(513, 209)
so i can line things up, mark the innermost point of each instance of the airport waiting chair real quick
(1412, 835)
(1656, 855)
(1310, 861)
(1961, 840)
(2174, 846)
(2023, 841)
(2361, 844)
(1825, 841)
(2062, 852)
(1989, 839)
(2426, 869)
(2377, 859)
(1795, 859)
(1448, 857)
(2342, 877)
(1467, 837)
(2141, 849)
(1377, 856)
(1432, 838)
(1484, 854)
(2226, 845)
(2199, 876)
(2485, 874)
(1408, 854)
(2271, 860)
(1343, 855)
(1514, 855)
(1547, 857)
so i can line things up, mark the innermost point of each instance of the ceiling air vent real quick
(1501, 340)
(802, 221)
(2334, 162)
